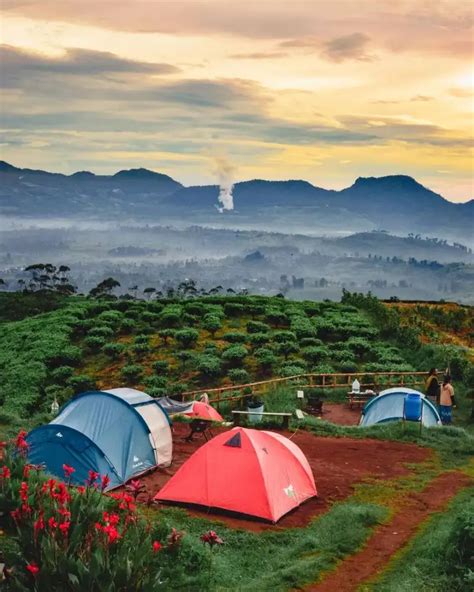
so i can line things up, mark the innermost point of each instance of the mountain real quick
(396, 203)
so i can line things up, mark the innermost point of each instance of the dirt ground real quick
(337, 463)
(341, 414)
(388, 538)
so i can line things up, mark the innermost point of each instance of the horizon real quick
(235, 182)
(267, 91)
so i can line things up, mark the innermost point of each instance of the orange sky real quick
(321, 90)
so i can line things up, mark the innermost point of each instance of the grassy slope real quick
(278, 560)
(440, 557)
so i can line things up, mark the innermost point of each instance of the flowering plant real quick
(77, 538)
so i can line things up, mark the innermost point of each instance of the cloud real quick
(17, 62)
(263, 55)
(348, 47)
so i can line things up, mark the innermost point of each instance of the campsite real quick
(142, 446)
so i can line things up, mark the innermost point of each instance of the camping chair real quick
(413, 409)
(199, 426)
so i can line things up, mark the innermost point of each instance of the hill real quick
(171, 346)
(396, 203)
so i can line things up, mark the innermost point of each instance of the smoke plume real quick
(225, 173)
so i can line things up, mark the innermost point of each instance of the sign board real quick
(300, 394)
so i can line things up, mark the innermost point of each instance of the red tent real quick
(247, 471)
(201, 410)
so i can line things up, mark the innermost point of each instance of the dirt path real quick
(387, 539)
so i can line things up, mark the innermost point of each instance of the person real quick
(446, 401)
(432, 386)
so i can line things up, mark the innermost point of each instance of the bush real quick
(94, 344)
(132, 372)
(239, 376)
(156, 382)
(266, 359)
(257, 327)
(62, 373)
(235, 337)
(161, 366)
(170, 316)
(113, 350)
(286, 348)
(311, 341)
(187, 337)
(166, 335)
(276, 317)
(282, 336)
(211, 323)
(313, 355)
(141, 349)
(101, 331)
(234, 309)
(256, 339)
(177, 388)
(81, 383)
(68, 356)
(235, 355)
(209, 366)
(291, 370)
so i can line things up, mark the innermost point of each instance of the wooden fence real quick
(342, 380)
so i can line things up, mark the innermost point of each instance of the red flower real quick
(98, 526)
(104, 482)
(127, 503)
(33, 568)
(68, 471)
(64, 513)
(64, 528)
(135, 487)
(3, 445)
(20, 442)
(112, 533)
(156, 546)
(81, 490)
(24, 491)
(211, 538)
(112, 518)
(16, 515)
(39, 524)
(6, 473)
(92, 477)
(52, 523)
(26, 471)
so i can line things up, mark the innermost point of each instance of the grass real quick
(440, 558)
(280, 560)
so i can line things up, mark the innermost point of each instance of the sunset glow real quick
(320, 90)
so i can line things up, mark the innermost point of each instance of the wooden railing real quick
(313, 381)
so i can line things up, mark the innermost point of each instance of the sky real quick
(324, 90)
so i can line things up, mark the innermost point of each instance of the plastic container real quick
(256, 414)
(356, 386)
(412, 407)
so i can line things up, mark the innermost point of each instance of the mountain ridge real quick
(392, 202)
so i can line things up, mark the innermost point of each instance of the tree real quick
(209, 366)
(234, 355)
(132, 373)
(286, 348)
(187, 337)
(266, 359)
(166, 334)
(239, 376)
(257, 327)
(211, 323)
(149, 292)
(113, 350)
(104, 288)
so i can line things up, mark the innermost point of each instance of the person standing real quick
(446, 401)
(432, 386)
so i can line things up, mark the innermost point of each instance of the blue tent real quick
(388, 406)
(119, 432)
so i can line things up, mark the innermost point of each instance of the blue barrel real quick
(412, 406)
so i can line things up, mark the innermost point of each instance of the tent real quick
(251, 472)
(119, 432)
(172, 406)
(388, 406)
